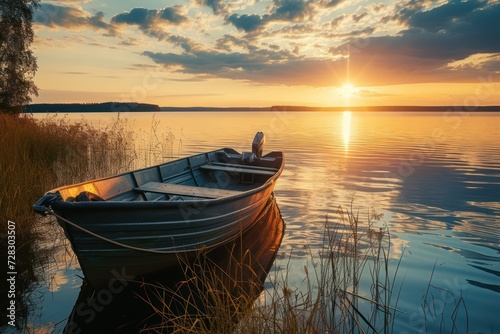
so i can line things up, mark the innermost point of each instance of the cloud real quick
(357, 18)
(441, 18)
(150, 18)
(483, 61)
(248, 22)
(433, 39)
(260, 66)
(292, 31)
(280, 11)
(186, 43)
(97, 21)
(352, 34)
(152, 22)
(293, 10)
(337, 21)
(333, 3)
(218, 6)
(74, 17)
(492, 64)
(139, 16)
(229, 42)
(55, 16)
(283, 10)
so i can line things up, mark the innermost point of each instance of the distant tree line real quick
(91, 107)
(390, 108)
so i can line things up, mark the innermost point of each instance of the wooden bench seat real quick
(239, 169)
(271, 169)
(183, 190)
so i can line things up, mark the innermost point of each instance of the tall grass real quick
(38, 155)
(330, 300)
(157, 145)
(348, 287)
(206, 299)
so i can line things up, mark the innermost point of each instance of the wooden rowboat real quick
(139, 222)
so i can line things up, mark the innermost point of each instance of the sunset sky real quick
(269, 52)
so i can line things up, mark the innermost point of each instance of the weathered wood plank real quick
(183, 190)
(247, 170)
(243, 166)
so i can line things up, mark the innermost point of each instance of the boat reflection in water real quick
(213, 291)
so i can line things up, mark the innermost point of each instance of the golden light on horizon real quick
(348, 90)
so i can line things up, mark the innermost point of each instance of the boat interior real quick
(212, 175)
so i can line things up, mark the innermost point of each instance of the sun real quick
(348, 90)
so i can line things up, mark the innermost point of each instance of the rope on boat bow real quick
(117, 243)
(114, 242)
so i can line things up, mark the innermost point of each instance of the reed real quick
(347, 287)
(208, 296)
(329, 299)
(353, 289)
(38, 155)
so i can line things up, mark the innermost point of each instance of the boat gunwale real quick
(113, 204)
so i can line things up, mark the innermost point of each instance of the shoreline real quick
(142, 107)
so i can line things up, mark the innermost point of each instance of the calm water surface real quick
(435, 177)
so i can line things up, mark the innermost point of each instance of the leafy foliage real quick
(17, 63)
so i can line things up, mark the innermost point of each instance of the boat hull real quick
(180, 231)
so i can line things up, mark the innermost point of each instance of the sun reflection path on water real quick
(346, 130)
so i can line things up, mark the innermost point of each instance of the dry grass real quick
(38, 155)
(348, 287)
(328, 300)
(208, 298)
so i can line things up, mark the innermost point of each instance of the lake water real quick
(435, 177)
